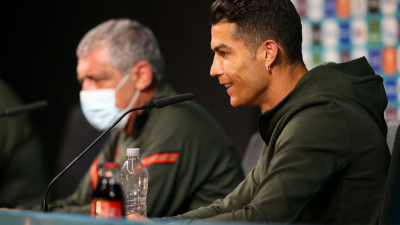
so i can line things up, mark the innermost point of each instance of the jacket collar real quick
(163, 90)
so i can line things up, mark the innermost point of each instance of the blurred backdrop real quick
(40, 39)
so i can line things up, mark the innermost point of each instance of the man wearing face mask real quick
(190, 160)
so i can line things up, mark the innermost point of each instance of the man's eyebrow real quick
(80, 78)
(216, 48)
(101, 75)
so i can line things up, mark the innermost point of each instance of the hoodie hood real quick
(354, 80)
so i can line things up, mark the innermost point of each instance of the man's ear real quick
(143, 74)
(270, 51)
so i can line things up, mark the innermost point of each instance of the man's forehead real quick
(96, 58)
(82, 66)
(224, 27)
(221, 35)
(223, 30)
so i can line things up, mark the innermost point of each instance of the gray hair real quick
(129, 42)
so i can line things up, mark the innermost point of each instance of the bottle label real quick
(106, 209)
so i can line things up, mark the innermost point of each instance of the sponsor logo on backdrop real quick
(389, 61)
(374, 35)
(391, 113)
(343, 8)
(373, 6)
(330, 33)
(344, 32)
(359, 31)
(344, 55)
(330, 6)
(398, 7)
(315, 10)
(375, 59)
(302, 8)
(390, 88)
(359, 7)
(316, 34)
(389, 29)
(388, 6)
(317, 56)
(398, 10)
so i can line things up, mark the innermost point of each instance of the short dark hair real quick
(260, 20)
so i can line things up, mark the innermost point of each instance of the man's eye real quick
(97, 79)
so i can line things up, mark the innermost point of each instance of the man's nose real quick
(216, 67)
(88, 85)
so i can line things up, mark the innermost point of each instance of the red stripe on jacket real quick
(157, 158)
(94, 178)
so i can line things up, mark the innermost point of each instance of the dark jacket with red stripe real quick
(190, 160)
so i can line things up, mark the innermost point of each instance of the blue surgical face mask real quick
(100, 109)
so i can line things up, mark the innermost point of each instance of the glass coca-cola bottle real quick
(108, 199)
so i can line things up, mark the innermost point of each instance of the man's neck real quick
(143, 98)
(283, 79)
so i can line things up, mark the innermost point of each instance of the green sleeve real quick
(306, 156)
(238, 199)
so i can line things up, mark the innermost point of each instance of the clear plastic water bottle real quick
(134, 183)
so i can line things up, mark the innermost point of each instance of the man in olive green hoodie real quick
(325, 158)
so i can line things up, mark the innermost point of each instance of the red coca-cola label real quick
(106, 209)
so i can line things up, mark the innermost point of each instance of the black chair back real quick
(391, 205)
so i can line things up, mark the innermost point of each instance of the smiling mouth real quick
(228, 85)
